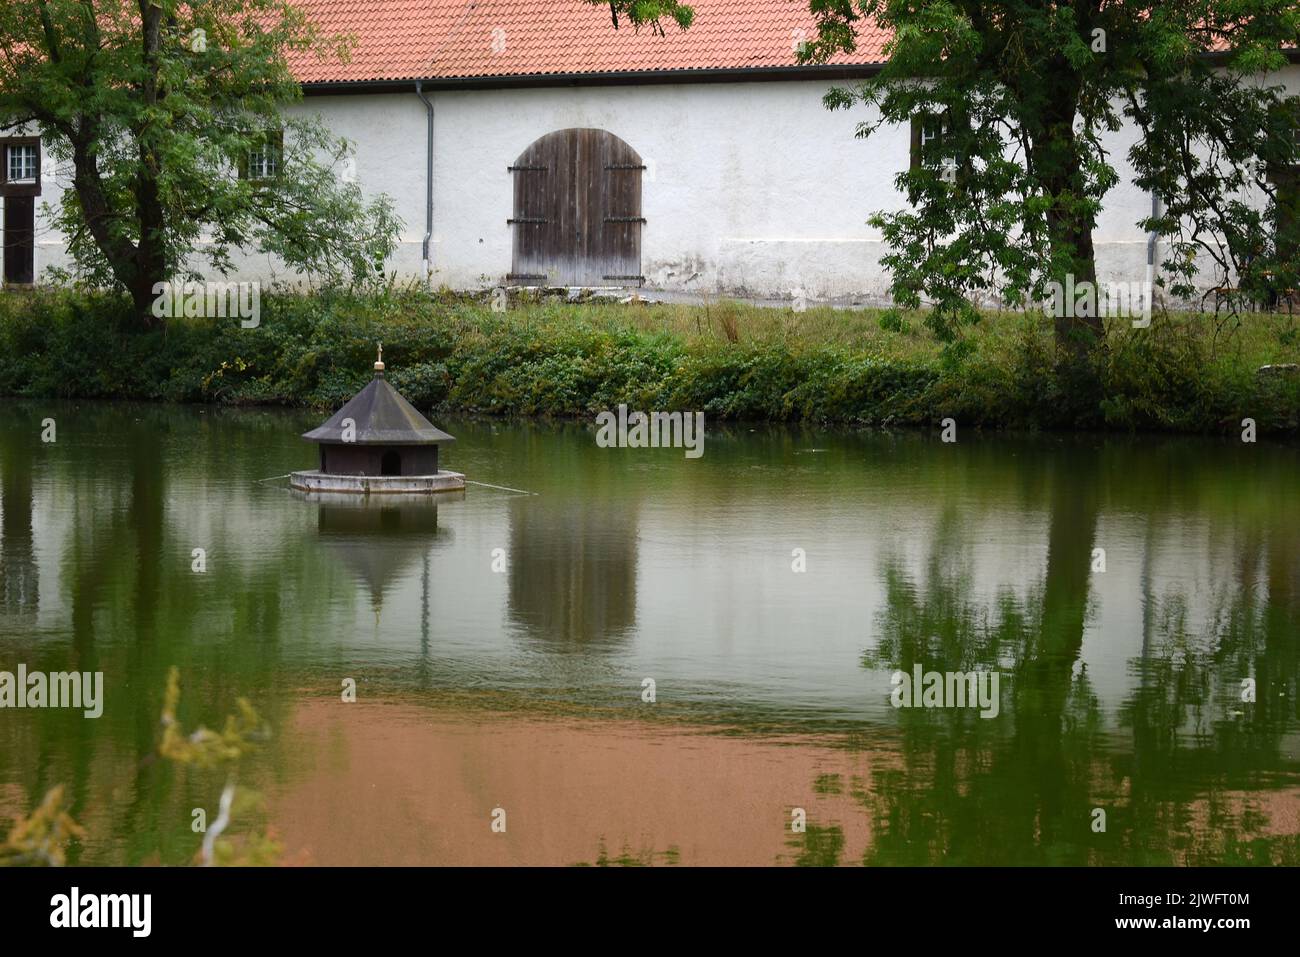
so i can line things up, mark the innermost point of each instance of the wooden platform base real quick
(317, 481)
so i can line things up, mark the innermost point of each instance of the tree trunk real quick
(1076, 336)
(137, 267)
(1058, 165)
(1046, 677)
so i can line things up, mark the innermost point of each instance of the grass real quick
(1259, 338)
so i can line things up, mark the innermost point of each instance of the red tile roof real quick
(450, 39)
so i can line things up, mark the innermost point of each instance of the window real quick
(21, 164)
(265, 159)
(929, 133)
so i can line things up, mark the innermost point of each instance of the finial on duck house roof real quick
(379, 363)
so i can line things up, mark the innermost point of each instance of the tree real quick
(157, 106)
(648, 13)
(1020, 93)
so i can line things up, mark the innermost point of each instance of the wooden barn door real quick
(577, 211)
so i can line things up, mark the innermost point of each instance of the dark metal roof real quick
(382, 417)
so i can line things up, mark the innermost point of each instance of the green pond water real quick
(1120, 689)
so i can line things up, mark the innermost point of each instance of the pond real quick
(630, 656)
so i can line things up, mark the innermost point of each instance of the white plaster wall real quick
(752, 188)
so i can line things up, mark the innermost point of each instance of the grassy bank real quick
(1185, 373)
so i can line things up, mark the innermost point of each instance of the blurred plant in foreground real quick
(243, 732)
(41, 838)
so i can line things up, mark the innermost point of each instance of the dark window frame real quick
(931, 153)
(22, 187)
(272, 139)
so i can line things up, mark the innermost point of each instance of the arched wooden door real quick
(577, 211)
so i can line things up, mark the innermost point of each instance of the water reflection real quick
(379, 540)
(19, 585)
(1123, 688)
(573, 571)
(1191, 787)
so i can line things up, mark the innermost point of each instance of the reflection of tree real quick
(1020, 789)
(573, 569)
(1014, 789)
(818, 846)
(966, 789)
(1202, 755)
(1276, 667)
(18, 572)
(145, 520)
(1044, 684)
(134, 608)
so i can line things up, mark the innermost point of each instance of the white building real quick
(701, 161)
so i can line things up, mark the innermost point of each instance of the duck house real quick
(378, 443)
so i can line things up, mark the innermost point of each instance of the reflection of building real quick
(573, 569)
(18, 572)
(379, 543)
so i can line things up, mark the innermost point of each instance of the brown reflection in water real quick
(19, 575)
(573, 570)
(392, 784)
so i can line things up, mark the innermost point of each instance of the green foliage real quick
(562, 359)
(648, 13)
(891, 320)
(1171, 380)
(1023, 93)
(154, 109)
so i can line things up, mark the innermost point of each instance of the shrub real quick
(556, 358)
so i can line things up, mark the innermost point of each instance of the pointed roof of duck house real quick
(381, 417)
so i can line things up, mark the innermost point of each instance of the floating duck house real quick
(378, 443)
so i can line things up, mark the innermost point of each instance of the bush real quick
(567, 359)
